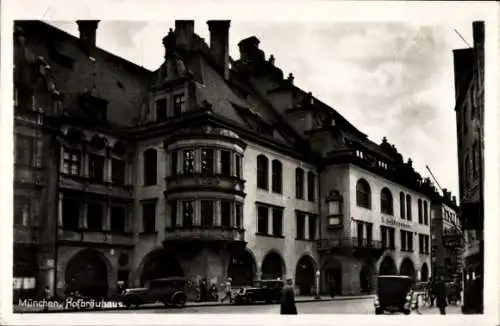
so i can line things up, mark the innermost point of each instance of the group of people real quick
(207, 292)
(443, 293)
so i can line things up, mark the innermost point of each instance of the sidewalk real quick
(114, 306)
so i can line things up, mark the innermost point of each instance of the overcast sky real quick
(388, 79)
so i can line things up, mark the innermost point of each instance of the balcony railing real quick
(104, 187)
(196, 181)
(97, 237)
(349, 243)
(366, 243)
(216, 234)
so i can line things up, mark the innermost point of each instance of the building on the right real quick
(469, 108)
(446, 237)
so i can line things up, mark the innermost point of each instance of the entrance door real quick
(333, 277)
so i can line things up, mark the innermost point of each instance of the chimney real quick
(454, 199)
(184, 33)
(88, 29)
(249, 50)
(219, 43)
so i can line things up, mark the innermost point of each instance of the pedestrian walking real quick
(432, 291)
(227, 291)
(203, 290)
(47, 296)
(288, 299)
(440, 292)
(332, 288)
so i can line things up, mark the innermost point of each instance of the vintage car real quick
(170, 291)
(268, 291)
(394, 294)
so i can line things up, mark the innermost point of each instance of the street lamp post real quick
(317, 296)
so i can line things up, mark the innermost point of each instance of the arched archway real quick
(273, 266)
(159, 264)
(424, 273)
(387, 266)
(407, 268)
(242, 268)
(331, 275)
(305, 274)
(87, 273)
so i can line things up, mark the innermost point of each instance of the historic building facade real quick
(198, 169)
(469, 109)
(447, 237)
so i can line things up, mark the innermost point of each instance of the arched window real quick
(363, 194)
(408, 207)
(420, 215)
(386, 204)
(311, 186)
(150, 167)
(262, 172)
(277, 177)
(402, 205)
(299, 183)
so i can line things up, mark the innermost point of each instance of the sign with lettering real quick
(394, 222)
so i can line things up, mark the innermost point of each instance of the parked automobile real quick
(394, 294)
(170, 291)
(268, 291)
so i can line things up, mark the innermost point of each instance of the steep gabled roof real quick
(123, 84)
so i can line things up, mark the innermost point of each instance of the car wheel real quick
(379, 311)
(406, 311)
(249, 300)
(179, 301)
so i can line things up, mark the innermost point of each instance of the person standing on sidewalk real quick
(227, 291)
(440, 292)
(288, 306)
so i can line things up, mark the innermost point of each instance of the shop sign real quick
(394, 222)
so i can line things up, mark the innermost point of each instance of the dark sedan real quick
(268, 291)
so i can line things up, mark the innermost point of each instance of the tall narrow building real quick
(469, 108)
